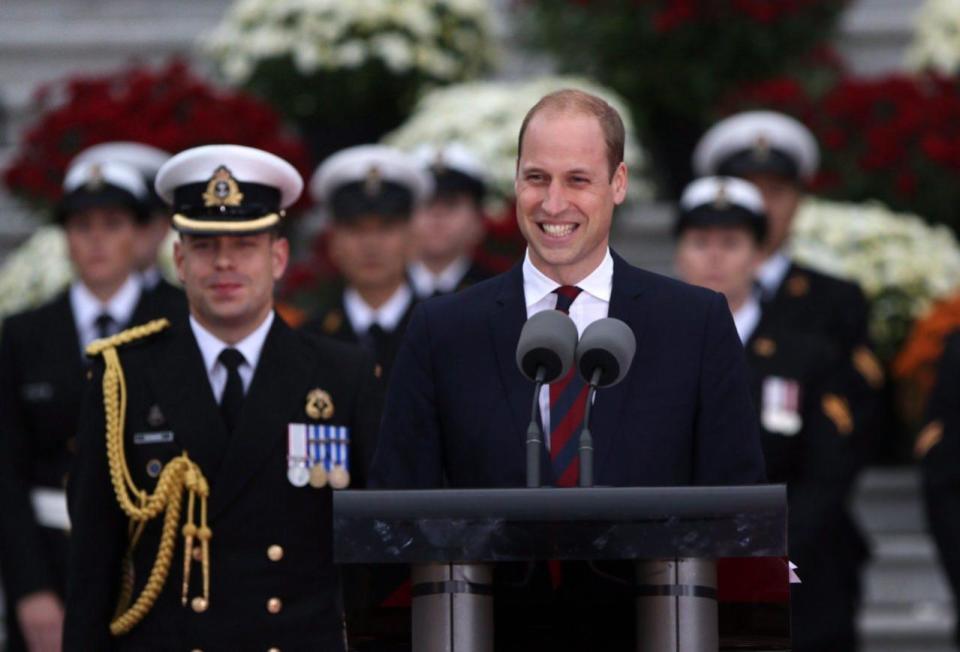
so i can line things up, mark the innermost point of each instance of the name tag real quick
(158, 437)
(35, 392)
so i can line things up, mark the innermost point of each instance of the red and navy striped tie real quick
(568, 398)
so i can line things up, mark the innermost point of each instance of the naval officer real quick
(201, 500)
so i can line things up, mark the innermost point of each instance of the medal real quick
(339, 477)
(298, 475)
(318, 477)
(780, 411)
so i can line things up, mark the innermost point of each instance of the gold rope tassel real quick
(180, 474)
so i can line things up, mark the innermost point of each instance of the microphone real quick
(545, 353)
(604, 355)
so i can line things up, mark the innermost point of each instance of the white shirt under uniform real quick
(211, 346)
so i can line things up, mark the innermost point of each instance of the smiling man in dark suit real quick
(457, 405)
(233, 406)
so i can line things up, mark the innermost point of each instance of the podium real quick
(452, 537)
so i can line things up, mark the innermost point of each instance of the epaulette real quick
(131, 334)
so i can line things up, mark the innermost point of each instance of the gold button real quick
(197, 553)
(275, 552)
(199, 604)
(274, 605)
(274, 649)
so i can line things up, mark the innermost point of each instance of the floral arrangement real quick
(486, 117)
(936, 38)
(902, 263)
(894, 139)
(25, 284)
(357, 65)
(168, 107)
(917, 361)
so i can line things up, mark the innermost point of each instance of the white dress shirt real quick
(87, 307)
(772, 272)
(591, 304)
(747, 318)
(387, 316)
(426, 282)
(211, 346)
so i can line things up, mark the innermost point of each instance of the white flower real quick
(936, 38)
(446, 40)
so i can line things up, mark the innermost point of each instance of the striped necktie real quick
(568, 398)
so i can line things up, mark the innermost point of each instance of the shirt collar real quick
(426, 282)
(537, 285)
(211, 346)
(87, 307)
(772, 272)
(388, 316)
(746, 318)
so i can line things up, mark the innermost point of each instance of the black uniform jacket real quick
(253, 506)
(812, 302)
(818, 462)
(41, 384)
(332, 321)
(939, 448)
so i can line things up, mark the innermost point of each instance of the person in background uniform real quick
(246, 422)
(938, 449)
(720, 230)
(780, 156)
(458, 406)
(450, 226)
(41, 381)
(153, 232)
(370, 193)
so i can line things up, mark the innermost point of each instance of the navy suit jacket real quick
(458, 407)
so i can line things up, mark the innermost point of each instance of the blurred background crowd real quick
(876, 81)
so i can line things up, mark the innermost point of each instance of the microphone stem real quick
(586, 438)
(534, 434)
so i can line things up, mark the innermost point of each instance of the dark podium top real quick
(493, 525)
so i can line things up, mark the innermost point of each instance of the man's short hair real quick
(574, 101)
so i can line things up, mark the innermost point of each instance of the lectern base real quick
(452, 608)
(677, 606)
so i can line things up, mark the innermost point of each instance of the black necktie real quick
(103, 325)
(232, 401)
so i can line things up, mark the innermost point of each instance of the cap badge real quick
(95, 182)
(761, 148)
(319, 404)
(439, 164)
(721, 202)
(373, 182)
(222, 189)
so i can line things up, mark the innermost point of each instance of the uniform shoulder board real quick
(132, 334)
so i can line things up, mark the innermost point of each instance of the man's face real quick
(101, 242)
(229, 278)
(447, 227)
(371, 251)
(781, 197)
(565, 194)
(149, 238)
(724, 259)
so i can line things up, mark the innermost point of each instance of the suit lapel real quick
(506, 322)
(186, 398)
(626, 304)
(278, 388)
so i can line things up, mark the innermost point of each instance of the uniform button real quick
(274, 649)
(199, 604)
(274, 605)
(275, 552)
(198, 553)
(154, 467)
